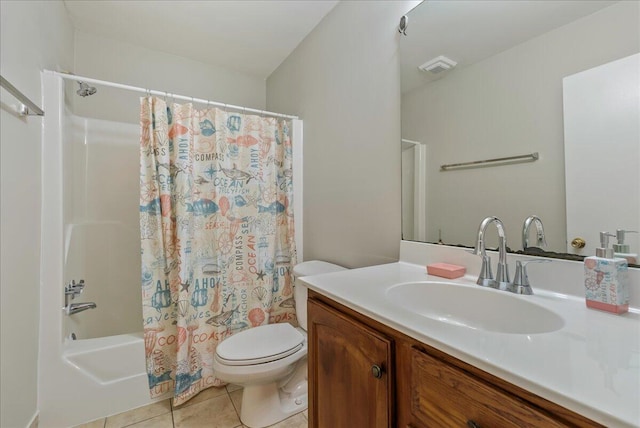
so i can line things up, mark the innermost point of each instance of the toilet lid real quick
(260, 345)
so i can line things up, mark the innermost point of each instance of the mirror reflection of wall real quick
(408, 189)
(602, 154)
(504, 97)
(414, 189)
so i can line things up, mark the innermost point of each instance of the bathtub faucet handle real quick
(72, 290)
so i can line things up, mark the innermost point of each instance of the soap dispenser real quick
(606, 280)
(623, 250)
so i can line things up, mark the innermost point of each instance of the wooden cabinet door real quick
(349, 379)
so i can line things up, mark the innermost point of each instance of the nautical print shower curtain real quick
(217, 236)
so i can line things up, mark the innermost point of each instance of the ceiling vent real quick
(437, 65)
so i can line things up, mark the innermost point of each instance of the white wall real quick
(463, 118)
(34, 35)
(111, 60)
(343, 80)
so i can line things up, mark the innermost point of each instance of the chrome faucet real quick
(540, 238)
(71, 290)
(74, 308)
(485, 279)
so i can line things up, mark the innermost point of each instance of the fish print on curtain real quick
(217, 236)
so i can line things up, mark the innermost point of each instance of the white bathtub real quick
(94, 358)
(94, 378)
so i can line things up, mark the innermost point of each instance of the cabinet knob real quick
(472, 424)
(376, 370)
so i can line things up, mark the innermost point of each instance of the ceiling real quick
(468, 31)
(251, 37)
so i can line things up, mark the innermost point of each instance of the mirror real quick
(499, 83)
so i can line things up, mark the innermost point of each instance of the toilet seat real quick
(260, 345)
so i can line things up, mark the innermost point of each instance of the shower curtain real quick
(217, 236)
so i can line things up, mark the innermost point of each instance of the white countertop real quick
(591, 365)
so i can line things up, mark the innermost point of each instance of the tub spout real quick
(74, 308)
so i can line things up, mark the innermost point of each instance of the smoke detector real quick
(437, 65)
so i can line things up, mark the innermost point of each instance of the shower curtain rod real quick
(169, 95)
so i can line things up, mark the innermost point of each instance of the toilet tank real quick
(313, 267)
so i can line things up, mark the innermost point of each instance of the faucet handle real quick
(485, 278)
(473, 251)
(521, 283)
(73, 284)
(72, 289)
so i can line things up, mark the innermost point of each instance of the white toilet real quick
(270, 361)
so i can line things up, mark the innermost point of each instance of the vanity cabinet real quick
(417, 386)
(349, 368)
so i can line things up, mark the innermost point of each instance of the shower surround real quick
(101, 228)
(90, 232)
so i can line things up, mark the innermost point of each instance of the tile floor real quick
(212, 408)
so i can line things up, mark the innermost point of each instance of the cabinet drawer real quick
(445, 396)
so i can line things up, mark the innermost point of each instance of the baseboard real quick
(34, 421)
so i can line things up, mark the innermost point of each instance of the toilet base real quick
(267, 404)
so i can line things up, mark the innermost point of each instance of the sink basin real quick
(474, 307)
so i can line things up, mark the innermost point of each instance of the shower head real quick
(85, 90)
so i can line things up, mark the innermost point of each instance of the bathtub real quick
(94, 378)
(94, 358)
